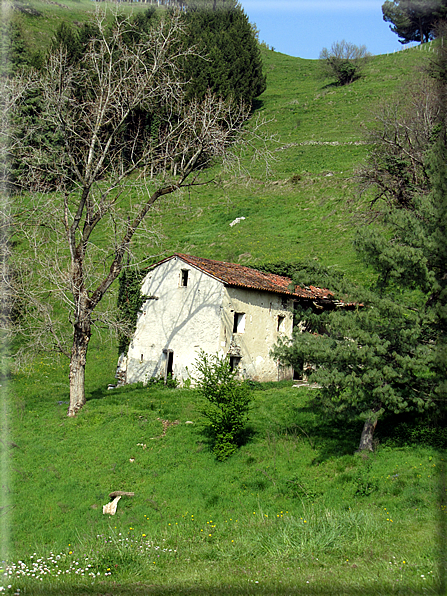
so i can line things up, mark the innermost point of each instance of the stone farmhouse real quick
(194, 304)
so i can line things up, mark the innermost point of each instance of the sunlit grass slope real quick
(306, 205)
(294, 509)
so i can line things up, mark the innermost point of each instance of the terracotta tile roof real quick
(233, 274)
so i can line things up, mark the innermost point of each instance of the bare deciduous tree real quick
(401, 136)
(115, 136)
(344, 61)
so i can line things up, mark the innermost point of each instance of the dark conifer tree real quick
(221, 31)
(414, 20)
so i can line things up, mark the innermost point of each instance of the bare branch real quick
(112, 136)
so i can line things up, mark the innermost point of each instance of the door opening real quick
(169, 364)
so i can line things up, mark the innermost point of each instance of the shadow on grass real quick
(329, 438)
(208, 437)
(407, 430)
(257, 104)
(99, 393)
(332, 438)
(102, 392)
(333, 85)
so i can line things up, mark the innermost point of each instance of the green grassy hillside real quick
(295, 511)
(308, 205)
(320, 144)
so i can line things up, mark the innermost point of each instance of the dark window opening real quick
(239, 322)
(296, 319)
(280, 326)
(184, 278)
(298, 370)
(234, 362)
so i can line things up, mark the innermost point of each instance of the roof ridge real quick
(235, 274)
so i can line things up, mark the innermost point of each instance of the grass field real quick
(296, 510)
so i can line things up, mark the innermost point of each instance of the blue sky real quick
(303, 27)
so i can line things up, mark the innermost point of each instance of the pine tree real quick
(414, 20)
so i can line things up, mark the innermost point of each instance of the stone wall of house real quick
(252, 323)
(181, 316)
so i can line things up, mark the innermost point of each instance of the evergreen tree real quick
(389, 355)
(73, 40)
(438, 165)
(233, 67)
(375, 359)
(414, 20)
(14, 50)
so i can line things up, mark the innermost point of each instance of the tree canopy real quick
(414, 20)
(401, 136)
(344, 61)
(233, 66)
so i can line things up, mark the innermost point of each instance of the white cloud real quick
(311, 5)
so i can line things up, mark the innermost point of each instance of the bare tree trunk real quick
(366, 440)
(98, 166)
(81, 337)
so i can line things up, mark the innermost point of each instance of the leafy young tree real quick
(228, 402)
(76, 230)
(344, 61)
(414, 20)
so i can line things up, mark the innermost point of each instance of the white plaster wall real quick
(260, 334)
(182, 319)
